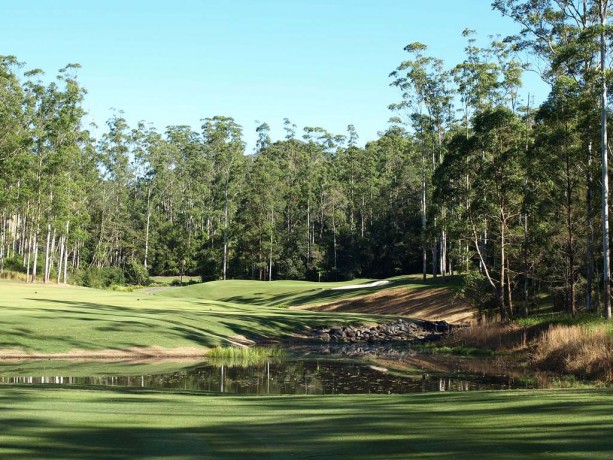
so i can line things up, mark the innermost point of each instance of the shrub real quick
(135, 273)
(476, 290)
(99, 277)
(14, 263)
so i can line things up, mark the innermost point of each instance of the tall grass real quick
(579, 350)
(13, 275)
(491, 336)
(242, 356)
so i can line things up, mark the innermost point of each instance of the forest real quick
(469, 177)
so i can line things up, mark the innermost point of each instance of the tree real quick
(571, 39)
(424, 86)
(225, 148)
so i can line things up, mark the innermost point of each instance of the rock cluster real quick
(400, 330)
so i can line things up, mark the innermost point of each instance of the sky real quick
(319, 62)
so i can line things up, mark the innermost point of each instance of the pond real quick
(303, 370)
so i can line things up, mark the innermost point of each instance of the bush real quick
(14, 263)
(209, 269)
(99, 278)
(477, 291)
(135, 273)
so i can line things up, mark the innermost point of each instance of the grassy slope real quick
(52, 319)
(294, 293)
(72, 423)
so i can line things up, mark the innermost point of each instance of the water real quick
(340, 370)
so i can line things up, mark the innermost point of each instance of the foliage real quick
(135, 273)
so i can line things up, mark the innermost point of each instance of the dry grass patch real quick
(578, 350)
(492, 336)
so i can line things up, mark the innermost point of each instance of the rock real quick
(400, 330)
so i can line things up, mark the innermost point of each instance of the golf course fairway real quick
(119, 423)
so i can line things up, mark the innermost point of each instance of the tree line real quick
(469, 177)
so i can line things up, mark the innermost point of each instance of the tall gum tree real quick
(571, 38)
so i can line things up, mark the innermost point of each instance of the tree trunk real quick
(225, 237)
(47, 248)
(590, 235)
(271, 243)
(605, 167)
(501, 287)
(35, 261)
(2, 241)
(424, 223)
(147, 227)
(60, 261)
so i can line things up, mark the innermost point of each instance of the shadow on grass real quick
(123, 327)
(325, 295)
(134, 424)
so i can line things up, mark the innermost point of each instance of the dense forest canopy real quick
(469, 177)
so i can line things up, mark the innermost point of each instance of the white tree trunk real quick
(605, 167)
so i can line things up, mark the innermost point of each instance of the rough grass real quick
(581, 347)
(492, 336)
(39, 319)
(135, 424)
(578, 350)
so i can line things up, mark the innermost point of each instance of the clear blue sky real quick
(319, 62)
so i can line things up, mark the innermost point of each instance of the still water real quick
(344, 370)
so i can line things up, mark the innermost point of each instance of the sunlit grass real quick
(44, 319)
(293, 293)
(131, 423)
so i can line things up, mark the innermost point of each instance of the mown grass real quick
(53, 319)
(293, 293)
(122, 423)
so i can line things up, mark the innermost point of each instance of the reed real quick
(243, 356)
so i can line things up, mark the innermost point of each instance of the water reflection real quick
(382, 372)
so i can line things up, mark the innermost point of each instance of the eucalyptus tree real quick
(558, 165)
(571, 39)
(225, 148)
(496, 195)
(424, 85)
(67, 141)
(14, 139)
(54, 116)
(114, 242)
(261, 211)
(192, 191)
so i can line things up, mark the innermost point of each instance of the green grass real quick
(120, 423)
(243, 357)
(292, 293)
(589, 320)
(51, 319)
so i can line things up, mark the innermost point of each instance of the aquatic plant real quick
(243, 356)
